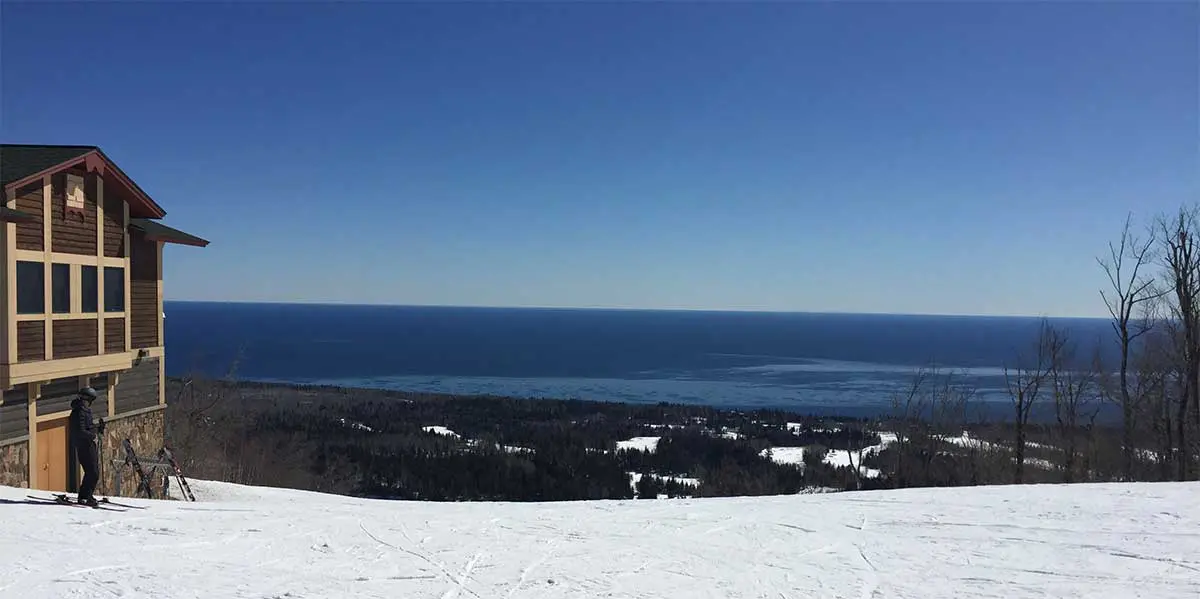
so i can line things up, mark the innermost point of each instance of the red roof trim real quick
(95, 160)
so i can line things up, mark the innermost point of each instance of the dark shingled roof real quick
(157, 231)
(8, 215)
(19, 161)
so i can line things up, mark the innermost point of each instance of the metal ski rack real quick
(151, 467)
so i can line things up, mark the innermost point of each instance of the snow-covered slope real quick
(1120, 541)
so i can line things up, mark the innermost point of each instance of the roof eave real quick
(200, 243)
(152, 230)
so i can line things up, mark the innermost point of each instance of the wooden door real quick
(52, 455)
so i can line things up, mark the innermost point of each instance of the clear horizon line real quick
(632, 309)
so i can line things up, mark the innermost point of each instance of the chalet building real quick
(81, 263)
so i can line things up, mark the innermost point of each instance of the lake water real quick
(845, 363)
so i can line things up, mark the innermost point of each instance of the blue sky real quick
(961, 158)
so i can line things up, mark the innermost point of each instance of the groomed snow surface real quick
(1100, 540)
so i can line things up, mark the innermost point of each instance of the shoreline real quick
(996, 411)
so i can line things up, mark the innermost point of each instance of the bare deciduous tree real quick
(1181, 257)
(1071, 386)
(1025, 383)
(1131, 290)
(1159, 372)
(908, 413)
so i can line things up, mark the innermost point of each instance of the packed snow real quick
(1098, 540)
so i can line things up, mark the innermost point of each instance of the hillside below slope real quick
(1099, 540)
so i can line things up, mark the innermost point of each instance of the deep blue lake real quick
(810, 362)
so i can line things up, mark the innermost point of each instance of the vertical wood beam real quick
(162, 359)
(47, 278)
(8, 285)
(128, 311)
(162, 380)
(159, 290)
(34, 393)
(113, 379)
(76, 285)
(99, 257)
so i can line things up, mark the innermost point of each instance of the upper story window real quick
(31, 287)
(89, 289)
(114, 289)
(60, 284)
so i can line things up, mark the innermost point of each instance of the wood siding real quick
(73, 233)
(29, 235)
(14, 413)
(138, 387)
(100, 406)
(114, 228)
(75, 338)
(114, 335)
(56, 396)
(31, 341)
(143, 291)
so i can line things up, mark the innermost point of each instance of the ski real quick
(132, 459)
(62, 500)
(166, 453)
(104, 500)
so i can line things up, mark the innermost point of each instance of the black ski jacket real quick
(81, 426)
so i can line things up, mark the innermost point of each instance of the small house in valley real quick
(81, 264)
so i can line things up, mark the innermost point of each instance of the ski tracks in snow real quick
(995, 543)
(528, 569)
(459, 581)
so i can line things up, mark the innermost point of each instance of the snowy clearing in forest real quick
(1115, 541)
(636, 477)
(837, 458)
(793, 456)
(439, 430)
(647, 444)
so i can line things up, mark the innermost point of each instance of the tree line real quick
(1058, 389)
(375, 443)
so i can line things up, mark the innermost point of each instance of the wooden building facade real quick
(81, 264)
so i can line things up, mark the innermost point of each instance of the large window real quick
(31, 287)
(89, 290)
(114, 289)
(61, 288)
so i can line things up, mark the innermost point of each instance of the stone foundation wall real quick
(145, 431)
(14, 464)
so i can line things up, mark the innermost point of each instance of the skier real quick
(83, 438)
